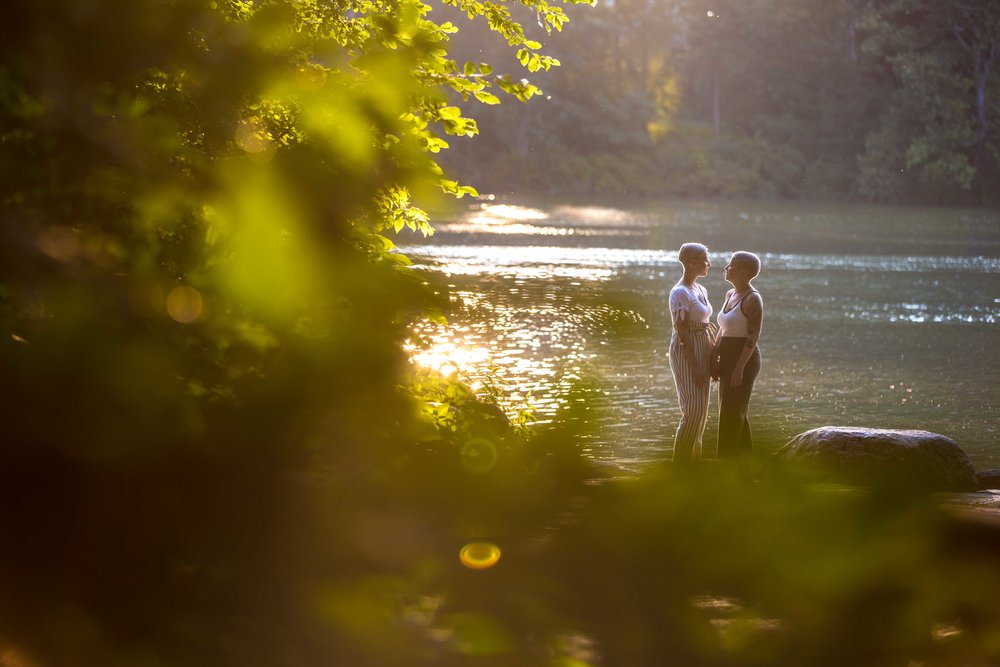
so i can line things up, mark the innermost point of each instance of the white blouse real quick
(689, 304)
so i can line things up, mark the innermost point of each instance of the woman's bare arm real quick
(753, 308)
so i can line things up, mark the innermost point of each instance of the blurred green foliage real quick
(213, 450)
(206, 396)
(877, 100)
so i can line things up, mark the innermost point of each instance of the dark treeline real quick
(866, 100)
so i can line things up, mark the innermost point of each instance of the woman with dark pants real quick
(738, 357)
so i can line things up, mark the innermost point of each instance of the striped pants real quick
(693, 399)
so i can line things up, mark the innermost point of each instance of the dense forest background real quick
(894, 101)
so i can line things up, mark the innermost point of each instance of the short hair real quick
(690, 251)
(748, 261)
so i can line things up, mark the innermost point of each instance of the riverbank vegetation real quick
(894, 101)
(213, 450)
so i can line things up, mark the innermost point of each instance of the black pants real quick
(735, 437)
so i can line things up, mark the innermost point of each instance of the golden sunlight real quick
(446, 356)
(505, 219)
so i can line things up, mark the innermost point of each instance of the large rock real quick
(915, 460)
(989, 479)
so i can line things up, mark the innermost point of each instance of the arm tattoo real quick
(754, 321)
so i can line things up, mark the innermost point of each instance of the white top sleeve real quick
(680, 302)
(690, 305)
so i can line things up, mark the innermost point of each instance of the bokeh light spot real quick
(479, 455)
(184, 304)
(251, 136)
(479, 555)
(59, 243)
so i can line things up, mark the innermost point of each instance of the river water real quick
(875, 316)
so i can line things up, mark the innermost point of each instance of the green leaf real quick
(436, 316)
(486, 97)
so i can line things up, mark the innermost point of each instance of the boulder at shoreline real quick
(989, 479)
(911, 459)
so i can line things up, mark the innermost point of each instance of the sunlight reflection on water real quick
(893, 340)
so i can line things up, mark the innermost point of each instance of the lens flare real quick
(479, 555)
(479, 455)
(184, 304)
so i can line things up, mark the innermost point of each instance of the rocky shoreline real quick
(913, 461)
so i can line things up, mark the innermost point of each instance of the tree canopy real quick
(202, 317)
(861, 100)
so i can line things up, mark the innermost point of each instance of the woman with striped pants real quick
(691, 346)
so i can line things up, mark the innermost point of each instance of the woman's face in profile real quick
(731, 268)
(701, 264)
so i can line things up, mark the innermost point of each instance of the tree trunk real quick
(716, 120)
(855, 11)
(981, 73)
